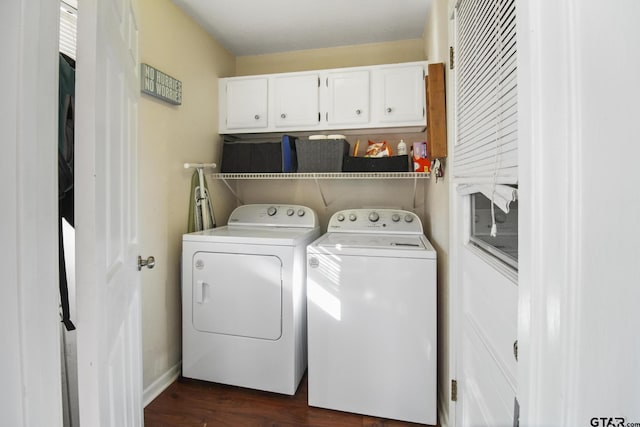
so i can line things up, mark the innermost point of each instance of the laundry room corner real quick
(169, 136)
(436, 221)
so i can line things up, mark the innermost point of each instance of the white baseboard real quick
(443, 409)
(159, 385)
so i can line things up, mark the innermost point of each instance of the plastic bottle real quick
(402, 148)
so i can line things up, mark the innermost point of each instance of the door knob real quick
(149, 262)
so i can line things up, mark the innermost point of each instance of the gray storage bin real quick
(321, 155)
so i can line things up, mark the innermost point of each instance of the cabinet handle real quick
(358, 112)
(389, 109)
(283, 116)
(257, 117)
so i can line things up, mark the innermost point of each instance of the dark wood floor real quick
(193, 403)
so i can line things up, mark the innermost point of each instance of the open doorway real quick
(68, 343)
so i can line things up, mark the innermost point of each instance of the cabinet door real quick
(399, 94)
(247, 103)
(348, 98)
(296, 101)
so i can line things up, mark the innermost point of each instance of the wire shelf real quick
(324, 175)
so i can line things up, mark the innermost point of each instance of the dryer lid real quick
(255, 235)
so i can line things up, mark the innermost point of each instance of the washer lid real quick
(348, 240)
(393, 245)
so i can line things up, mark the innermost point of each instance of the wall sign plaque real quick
(160, 85)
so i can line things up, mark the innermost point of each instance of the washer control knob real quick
(271, 211)
(301, 212)
(340, 217)
(395, 217)
(289, 212)
(373, 216)
(408, 218)
(352, 217)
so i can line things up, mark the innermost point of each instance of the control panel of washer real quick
(273, 215)
(375, 221)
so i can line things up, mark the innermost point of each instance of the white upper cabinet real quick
(347, 98)
(400, 94)
(296, 101)
(245, 102)
(371, 97)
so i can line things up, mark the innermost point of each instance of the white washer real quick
(371, 305)
(244, 298)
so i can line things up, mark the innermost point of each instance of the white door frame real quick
(31, 370)
(454, 229)
(550, 218)
(549, 287)
(578, 238)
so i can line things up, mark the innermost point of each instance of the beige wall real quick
(168, 137)
(436, 223)
(336, 57)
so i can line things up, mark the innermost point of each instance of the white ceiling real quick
(253, 27)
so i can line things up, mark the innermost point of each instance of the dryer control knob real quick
(408, 218)
(301, 212)
(340, 217)
(289, 212)
(352, 217)
(271, 211)
(373, 216)
(395, 217)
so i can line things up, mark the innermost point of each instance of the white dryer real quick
(371, 302)
(244, 298)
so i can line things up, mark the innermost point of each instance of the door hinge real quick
(451, 57)
(318, 81)
(454, 390)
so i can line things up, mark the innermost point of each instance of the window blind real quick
(68, 23)
(501, 195)
(486, 147)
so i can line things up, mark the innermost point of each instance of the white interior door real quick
(108, 284)
(29, 319)
(483, 311)
(487, 310)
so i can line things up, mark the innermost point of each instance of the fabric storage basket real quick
(376, 164)
(321, 155)
(251, 157)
